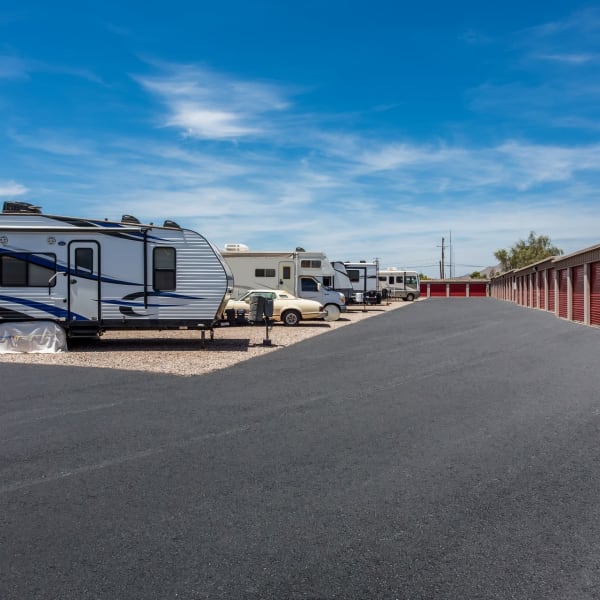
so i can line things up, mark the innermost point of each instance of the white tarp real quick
(32, 336)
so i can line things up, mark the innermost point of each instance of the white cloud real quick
(208, 105)
(209, 124)
(12, 188)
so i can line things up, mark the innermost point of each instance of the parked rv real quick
(363, 278)
(339, 280)
(300, 272)
(396, 283)
(90, 275)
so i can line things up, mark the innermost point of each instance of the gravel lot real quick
(180, 352)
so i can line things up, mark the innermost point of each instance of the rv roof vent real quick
(129, 219)
(20, 207)
(300, 249)
(236, 248)
(171, 224)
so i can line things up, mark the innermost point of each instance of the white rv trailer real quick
(363, 278)
(397, 283)
(339, 281)
(90, 276)
(300, 273)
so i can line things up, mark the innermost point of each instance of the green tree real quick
(526, 252)
(475, 275)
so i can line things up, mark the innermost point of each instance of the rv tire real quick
(333, 312)
(291, 317)
(410, 297)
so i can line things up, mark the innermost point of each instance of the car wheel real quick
(333, 312)
(290, 317)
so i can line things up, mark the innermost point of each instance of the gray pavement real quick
(446, 450)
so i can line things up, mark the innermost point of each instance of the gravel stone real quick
(180, 352)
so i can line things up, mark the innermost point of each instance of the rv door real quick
(84, 281)
(287, 277)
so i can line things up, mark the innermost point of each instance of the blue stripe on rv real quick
(55, 311)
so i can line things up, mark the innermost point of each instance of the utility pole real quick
(442, 266)
(450, 260)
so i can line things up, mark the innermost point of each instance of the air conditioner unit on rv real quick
(236, 248)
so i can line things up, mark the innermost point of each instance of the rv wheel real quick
(333, 312)
(410, 297)
(290, 317)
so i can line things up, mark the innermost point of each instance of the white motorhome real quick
(363, 277)
(90, 276)
(300, 273)
(396, 283)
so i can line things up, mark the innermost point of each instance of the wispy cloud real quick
(12, 188)
(581, 22)
(209, 105)
(15, 67)
(53, 142)
(580, 58)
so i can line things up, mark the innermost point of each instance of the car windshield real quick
(249, 295)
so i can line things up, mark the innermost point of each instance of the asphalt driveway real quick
(447, 450)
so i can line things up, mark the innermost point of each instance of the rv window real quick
(353, 275)
(310, 264)
(327, 282)
(264, 272)
(84, 261)
(27, 270)
(13, 271)
(164, 269)
(286, 273)
(382, 278)
(411, 280)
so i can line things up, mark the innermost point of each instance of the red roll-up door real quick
(437, 290)
(563, 293)
(595, 293)
(423, 289)
(550, 282)
(522, 298)
(478, 289)
(541, 303)
(528, 294)
(577, 279)
(458, 289)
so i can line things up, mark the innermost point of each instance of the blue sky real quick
(364, 129)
